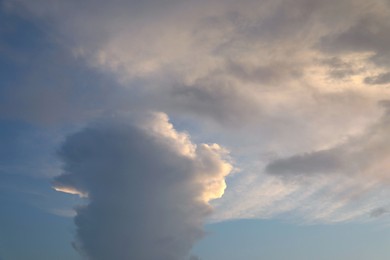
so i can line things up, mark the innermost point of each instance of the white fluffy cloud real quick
(148, 188)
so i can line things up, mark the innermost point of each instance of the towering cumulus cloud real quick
(147, 185)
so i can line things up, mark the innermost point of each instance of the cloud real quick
(366, 34)
(340, 69)
(148, 187)
(319, 161)
(364, 155)
(383, 78)
(224, 61)
(378, 212)
(287, 79)
(351, 177)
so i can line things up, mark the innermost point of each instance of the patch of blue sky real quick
(276, 240)
(28, 232)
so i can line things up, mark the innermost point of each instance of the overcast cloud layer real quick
(295, 89)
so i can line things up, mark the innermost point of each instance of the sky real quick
(187, 130)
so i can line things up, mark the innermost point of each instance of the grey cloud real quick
(59, 88)
(220, 100)
(364, 155)
(290, 20)
(368, 34)
(326, 161)
(341, 73)
(257, 43)
(340, 69)
(148, 188)
(378, 212)
(269, 74)
(381, 79)
(386, 105)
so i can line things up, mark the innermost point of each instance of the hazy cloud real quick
(378, 212)
(383, 78)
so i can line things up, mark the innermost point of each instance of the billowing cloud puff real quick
(148, 188)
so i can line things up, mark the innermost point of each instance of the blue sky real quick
(210, 129)
(273, 239)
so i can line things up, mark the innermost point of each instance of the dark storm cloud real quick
(148, 188)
